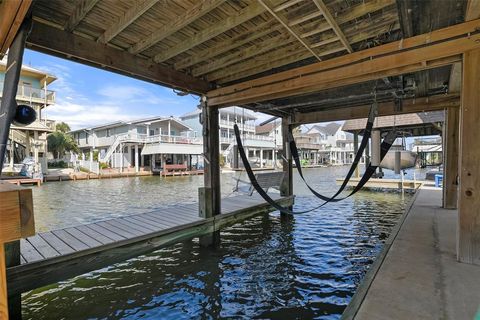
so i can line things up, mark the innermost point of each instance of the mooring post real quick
(355, 150)
(209, 195)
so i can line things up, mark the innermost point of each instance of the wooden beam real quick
(468, 243)
(439, 47)
(83, 7)
(132, 14)
(331, 21)
(416, 105)
(286, 4)
(261, 30)
(3, 285)
(450, 157)
(226, 60)
(192, 14)
(350, 14)
(214, 30)
(287, 184)
(263, 63)
(285, 25)
(13, 13)
(67, 45)
(473, 10)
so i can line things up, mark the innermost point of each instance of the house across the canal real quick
(142, 144)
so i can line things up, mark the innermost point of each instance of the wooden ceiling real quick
(225, 41)
(196, 46)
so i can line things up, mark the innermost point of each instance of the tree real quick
(60, 141)
(62, 127)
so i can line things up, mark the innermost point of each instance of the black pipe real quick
(8, 104)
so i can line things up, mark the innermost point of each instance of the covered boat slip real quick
(303, 61)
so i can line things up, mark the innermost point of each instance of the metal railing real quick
(230, 124)
(27, 93)
(247, 137)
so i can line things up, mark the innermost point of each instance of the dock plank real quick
(29, 252)
(103, 239)
(120, 229)
(56, 243)
(121, 223)
(89, 241)
(73, 242)
(140, 223)
(158, 223)
(42, 246)
(106, 232)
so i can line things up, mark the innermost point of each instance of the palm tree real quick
(61, 141)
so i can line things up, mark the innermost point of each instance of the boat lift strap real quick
(385, 146)
(356, 161)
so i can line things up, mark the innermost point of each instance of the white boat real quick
(408, 159)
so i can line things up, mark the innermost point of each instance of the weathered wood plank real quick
(56, 243)
(451, 136)
(102, 238)
(45, 249)
(12, 13)
(126, 225)
(192, 14)
(136, 10)
(3, 285)
(79, 12)
(86, 239)
(29, 252)
(140, 223)
(152, 222)
(245, 14)
(331, 21)
(70, 240)
(119, 229)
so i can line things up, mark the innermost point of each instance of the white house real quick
(145, 144)
(336, 146)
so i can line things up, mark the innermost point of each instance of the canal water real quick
(265, 268)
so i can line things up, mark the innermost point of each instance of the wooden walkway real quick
(61, 254)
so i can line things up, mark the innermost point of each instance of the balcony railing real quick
(229, 124)
(143, 138)
(27, 93)
(247, 137)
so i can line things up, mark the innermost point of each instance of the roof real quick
(29, 71)
(399, 121)
(148, 121)
(329, 129)
(266, 128)
(230, 110)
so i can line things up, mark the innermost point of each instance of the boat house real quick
(302, 61)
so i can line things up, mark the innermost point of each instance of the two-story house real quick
(336, 146)
(145, 144)
(260, 148)
(30, 140)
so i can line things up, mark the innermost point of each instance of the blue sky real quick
(87, 96)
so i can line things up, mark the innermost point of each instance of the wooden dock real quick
(20, 181)
(386, 183)
(61, 254)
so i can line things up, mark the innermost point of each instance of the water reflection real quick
(307, 267)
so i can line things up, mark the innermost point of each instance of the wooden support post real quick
(355, 150)
(287, 185)
(450, 158)
(16, 221)
(468, 244)
(211, 205)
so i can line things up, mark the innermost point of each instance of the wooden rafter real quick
(249, 52)
(437, 48)
(192, 14)
(225, 46)
(53, 41)
(244, 15)
(269, 61)
(80, 11)
(286, 5)
(331, 21)
(132, 14)
(293, 33)
(351, 14)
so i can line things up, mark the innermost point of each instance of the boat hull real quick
(408, 159)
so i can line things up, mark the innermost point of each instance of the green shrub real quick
(222, 160)
(58, 164)
(104, 165)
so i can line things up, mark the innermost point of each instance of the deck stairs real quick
(120, 139)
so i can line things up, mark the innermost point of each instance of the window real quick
(152, 132)
(86, 137)
(108, 132)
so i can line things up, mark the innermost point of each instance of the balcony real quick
(29, 94)
(229, 125)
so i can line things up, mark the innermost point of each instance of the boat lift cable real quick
(385, 146)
